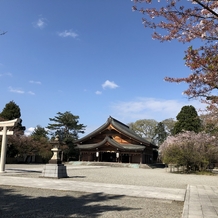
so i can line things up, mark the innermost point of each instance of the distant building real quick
(115, 142)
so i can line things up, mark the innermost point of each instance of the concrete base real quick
(54, 171)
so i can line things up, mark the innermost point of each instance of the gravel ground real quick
(141, 177)
(29, 202)
(127, 176)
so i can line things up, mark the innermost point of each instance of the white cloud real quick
(31, 93)
(41, 23)
(98, 93)
(35, 82)
(68, 33)
(29, 131)
(6, 74)
(19, 91)
(151, 108)
(109, 84)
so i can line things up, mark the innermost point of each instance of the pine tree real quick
(39, 132)
(66, 126)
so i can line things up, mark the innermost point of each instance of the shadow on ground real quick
(24, 171)
(25, 202)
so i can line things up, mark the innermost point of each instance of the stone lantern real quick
(56, 151)
(55, 168)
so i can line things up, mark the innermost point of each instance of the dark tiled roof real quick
(112, 142)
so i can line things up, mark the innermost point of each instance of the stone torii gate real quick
(4, 134)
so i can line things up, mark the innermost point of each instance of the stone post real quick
(4, 134)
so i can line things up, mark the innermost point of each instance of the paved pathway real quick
(201, 201)
(113, 189)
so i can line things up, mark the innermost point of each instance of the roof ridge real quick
(113, 119)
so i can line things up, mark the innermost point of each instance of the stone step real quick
(110, 164)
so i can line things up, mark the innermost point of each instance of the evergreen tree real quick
(39, 133)
(12, 111)
(160, 133)
(66, 125)
(187, 120)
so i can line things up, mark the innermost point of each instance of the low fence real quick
(172, 168)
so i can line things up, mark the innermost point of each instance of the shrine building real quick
(115, 142)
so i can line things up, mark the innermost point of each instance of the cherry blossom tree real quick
(209, 121)
(190, 149)
(186, 21)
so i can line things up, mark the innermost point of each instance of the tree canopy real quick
(169, 125)
(39, 132)
(187, 120)
(188, 21)
(153, 131)
(210, 122)
(12, 111)
(160, 133)
(66, 125)
(145, 128)
(194, 151)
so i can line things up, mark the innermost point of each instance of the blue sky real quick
(92, 58)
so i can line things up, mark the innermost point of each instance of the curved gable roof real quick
(121, 127)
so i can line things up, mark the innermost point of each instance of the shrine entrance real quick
(108, 157)
(125, 158)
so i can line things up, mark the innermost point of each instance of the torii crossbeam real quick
(4, 134)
